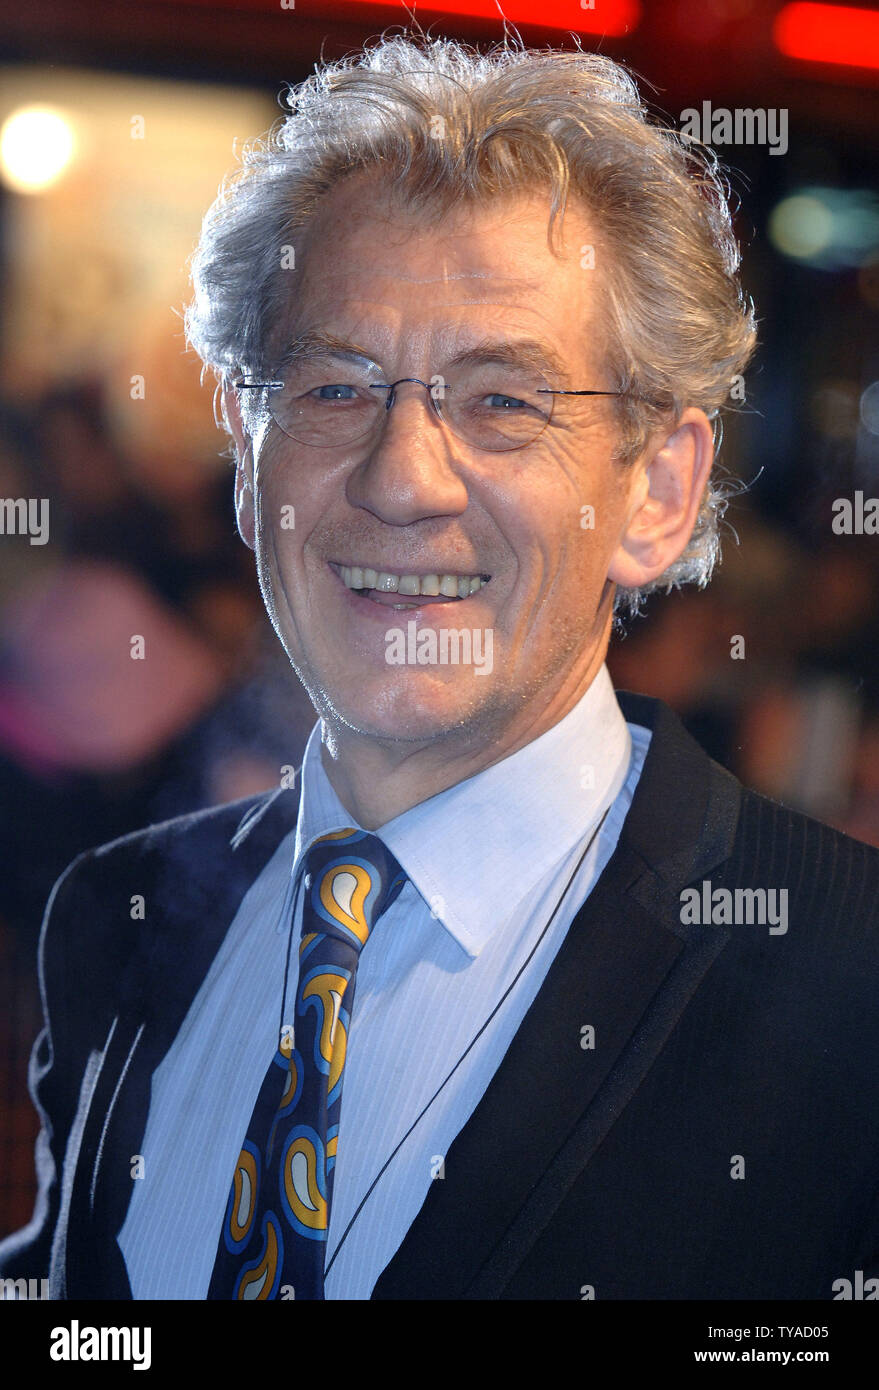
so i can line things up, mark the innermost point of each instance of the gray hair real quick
(445, 124)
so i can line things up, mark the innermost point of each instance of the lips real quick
(399, 602)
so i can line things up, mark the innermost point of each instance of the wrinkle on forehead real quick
(384, 265)
(363, 203)
(506, 280)
(373, 269)
(348, 284)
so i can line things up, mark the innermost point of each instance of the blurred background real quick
(117, 124)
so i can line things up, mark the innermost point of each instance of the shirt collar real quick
(463, 848)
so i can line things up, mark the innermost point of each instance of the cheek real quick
(595, 501)
(562, 512)
(288, 504)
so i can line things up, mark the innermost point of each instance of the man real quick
(523, 997)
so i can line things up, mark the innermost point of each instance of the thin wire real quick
(288, 906)
(470, 1045)
(281, 1024)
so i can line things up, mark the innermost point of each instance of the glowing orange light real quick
(610, 17)
(838, 34)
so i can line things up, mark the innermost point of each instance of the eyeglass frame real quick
(391, 388)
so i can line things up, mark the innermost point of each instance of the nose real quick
(409, 473)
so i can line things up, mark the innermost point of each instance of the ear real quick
(666, 494)
(244, 508)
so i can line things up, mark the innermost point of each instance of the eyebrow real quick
(316, 343)
(526, 353)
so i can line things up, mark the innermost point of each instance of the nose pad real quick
(431, 404)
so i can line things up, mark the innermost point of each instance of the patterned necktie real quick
(277, 1216)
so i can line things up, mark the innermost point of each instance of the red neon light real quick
(610, 17)
(838, 34)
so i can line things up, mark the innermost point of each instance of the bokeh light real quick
(37, 144)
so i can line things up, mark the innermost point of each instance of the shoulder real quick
(190, 837)
(700, 832)
(822, 885)
(176, 884)
(685, 798)
(796, 903)
(208, 845)
(811, 856)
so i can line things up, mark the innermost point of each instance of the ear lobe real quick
(666, 496)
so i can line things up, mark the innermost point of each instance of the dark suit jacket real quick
(719, 1050)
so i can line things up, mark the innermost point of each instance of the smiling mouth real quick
(383, 585)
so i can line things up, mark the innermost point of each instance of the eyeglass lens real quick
(325, 403)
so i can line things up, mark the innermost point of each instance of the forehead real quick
(416, 279)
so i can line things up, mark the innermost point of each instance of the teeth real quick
(411, 585)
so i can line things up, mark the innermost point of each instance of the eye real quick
(500, 402)
(336, 391)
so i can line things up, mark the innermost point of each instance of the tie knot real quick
(351, 878)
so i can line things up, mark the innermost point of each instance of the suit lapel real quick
(87, 1262)
(192, 910)
(627, 968)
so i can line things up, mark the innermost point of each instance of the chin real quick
(416, 707)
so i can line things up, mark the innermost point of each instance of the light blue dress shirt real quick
(490, 890)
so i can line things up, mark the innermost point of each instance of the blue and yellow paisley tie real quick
(274, 1232)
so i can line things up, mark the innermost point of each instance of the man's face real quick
(412, 293)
